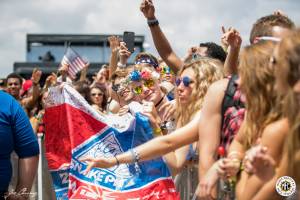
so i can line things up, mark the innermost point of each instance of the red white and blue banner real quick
(74, 130)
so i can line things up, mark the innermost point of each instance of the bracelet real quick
(234, 154)
(157, 131)
(118, 162)
(121, 65)
(152, 22)
(163, 126)
(135, 155)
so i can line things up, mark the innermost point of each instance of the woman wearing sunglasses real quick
(98, 99)
(121, 89)
(192, 85)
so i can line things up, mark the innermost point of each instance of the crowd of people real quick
(230, 112)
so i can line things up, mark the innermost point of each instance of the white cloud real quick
(185, 23)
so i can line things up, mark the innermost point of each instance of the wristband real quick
(234, 154)
(121, 65)
(118, 162)
(135, 155)
(152, 22)
(135, 158)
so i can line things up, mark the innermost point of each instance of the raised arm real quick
(232, 40)
(83, 73)
(114, 44)
(29, 102)
(160, 41)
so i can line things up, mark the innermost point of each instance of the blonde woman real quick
(256, 81)
(192, 84)
(279, 152)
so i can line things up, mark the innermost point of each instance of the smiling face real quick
(123, 89)
(185, 85)
(148, 90)
(14, 87)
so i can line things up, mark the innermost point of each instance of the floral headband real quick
(136, 76)
(146, 60)
(142, 75)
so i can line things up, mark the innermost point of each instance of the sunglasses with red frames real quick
(186, 81)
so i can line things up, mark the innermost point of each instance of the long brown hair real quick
(288, 63)
(257, 84)
(206, 71)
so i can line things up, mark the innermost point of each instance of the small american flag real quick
(74, 61)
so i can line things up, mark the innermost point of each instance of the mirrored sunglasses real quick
(139, 89)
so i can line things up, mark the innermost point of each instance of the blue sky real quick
(185, 23)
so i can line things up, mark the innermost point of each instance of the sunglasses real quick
(97, 94)
(186, 81)
(121, 86)
(139, 89)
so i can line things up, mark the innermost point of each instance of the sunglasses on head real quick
(139, 89)
(186, 81)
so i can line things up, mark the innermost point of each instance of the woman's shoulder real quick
(274, 136)
(277, 128)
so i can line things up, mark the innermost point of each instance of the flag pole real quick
(40, 176)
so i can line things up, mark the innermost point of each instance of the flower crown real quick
(136, 75)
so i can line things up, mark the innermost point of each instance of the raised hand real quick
(100, 77)
(189, 55)
(51, 80)
(63, 70)
(124, 53)
(148, 9)
(231, 38)
(114, 43)
(36, 76)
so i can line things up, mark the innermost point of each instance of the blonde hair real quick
(257, 84)
(206, 71)
(289, 61)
